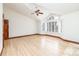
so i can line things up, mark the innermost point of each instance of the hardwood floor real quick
(39, 46)
(0, 51)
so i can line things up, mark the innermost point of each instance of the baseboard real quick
(47, 35)
(63, 39)
(23, 36)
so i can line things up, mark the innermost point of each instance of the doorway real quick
(5, 29)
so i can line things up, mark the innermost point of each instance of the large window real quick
(51, 25)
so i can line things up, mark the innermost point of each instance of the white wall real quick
(1, 27)
(19, 24)
(70, 26)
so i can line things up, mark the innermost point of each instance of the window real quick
(51, 25)
(43, 27)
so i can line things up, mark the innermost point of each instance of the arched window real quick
(51, 25)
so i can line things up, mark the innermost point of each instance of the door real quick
(5, 29)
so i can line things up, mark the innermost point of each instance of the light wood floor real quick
(39, 46)
(0, 50)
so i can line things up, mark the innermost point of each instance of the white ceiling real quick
(57, 8)
(60, 8)
(19, 7)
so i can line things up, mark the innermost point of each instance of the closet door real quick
(5, 29)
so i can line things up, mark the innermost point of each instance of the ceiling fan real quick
(37, 12)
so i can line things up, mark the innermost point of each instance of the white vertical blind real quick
(52, 26)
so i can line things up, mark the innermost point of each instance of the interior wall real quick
(19, 24)
(70, 26)
(1, 27)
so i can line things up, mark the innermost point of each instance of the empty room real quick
(39, 29)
